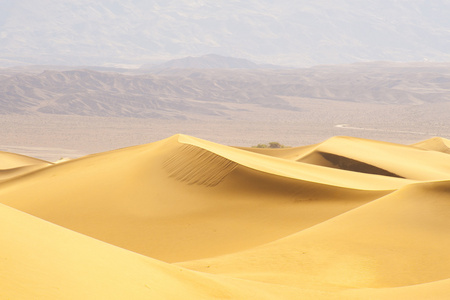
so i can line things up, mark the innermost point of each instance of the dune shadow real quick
(345, 163)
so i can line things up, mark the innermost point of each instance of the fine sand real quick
(186, 218)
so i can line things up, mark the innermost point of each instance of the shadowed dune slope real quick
(190, 196)
(403, 161)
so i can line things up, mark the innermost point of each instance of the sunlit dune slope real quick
(12, 165)
(435, 144)
(436, 290)
(398, 240)
(184, 198)
(39, 260)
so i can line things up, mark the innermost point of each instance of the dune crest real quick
(12, 160)
(435, 144)
(348, 218)
(13, 165)
(374, 157)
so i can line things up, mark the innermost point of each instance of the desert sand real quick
(187, 218)
(12, 165)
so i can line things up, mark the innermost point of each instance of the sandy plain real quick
(188, 218)
(51, 137)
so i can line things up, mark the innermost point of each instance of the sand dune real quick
(183, 191)
(373, 157)
(13, 165)
(183, 217)
(435, 144)
(43, 261)
(397, 240)
(11, 160)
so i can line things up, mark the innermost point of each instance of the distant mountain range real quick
(285, 32)
(178, 93)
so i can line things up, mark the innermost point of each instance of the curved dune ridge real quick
(436, 144)
(374, 157)
(186, 218)
(13, 165)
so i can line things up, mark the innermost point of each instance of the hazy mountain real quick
(209, 61)
(287, 32)
(195, 93)
(91, 93)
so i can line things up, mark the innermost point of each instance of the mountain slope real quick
(227, 93)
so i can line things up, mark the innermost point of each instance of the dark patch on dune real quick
(345, 163)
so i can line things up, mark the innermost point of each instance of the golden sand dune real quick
(344, 219)
(183, 191)
(435, 144)
(373, 157)
(40, 260)
(11, 160)
(13, 165)
(397, 240)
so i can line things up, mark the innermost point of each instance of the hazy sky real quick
(286, 32)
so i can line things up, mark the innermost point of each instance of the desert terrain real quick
(143, 184)
(187, 218)
(224, 149)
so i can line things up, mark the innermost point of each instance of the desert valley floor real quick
(187, 218)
